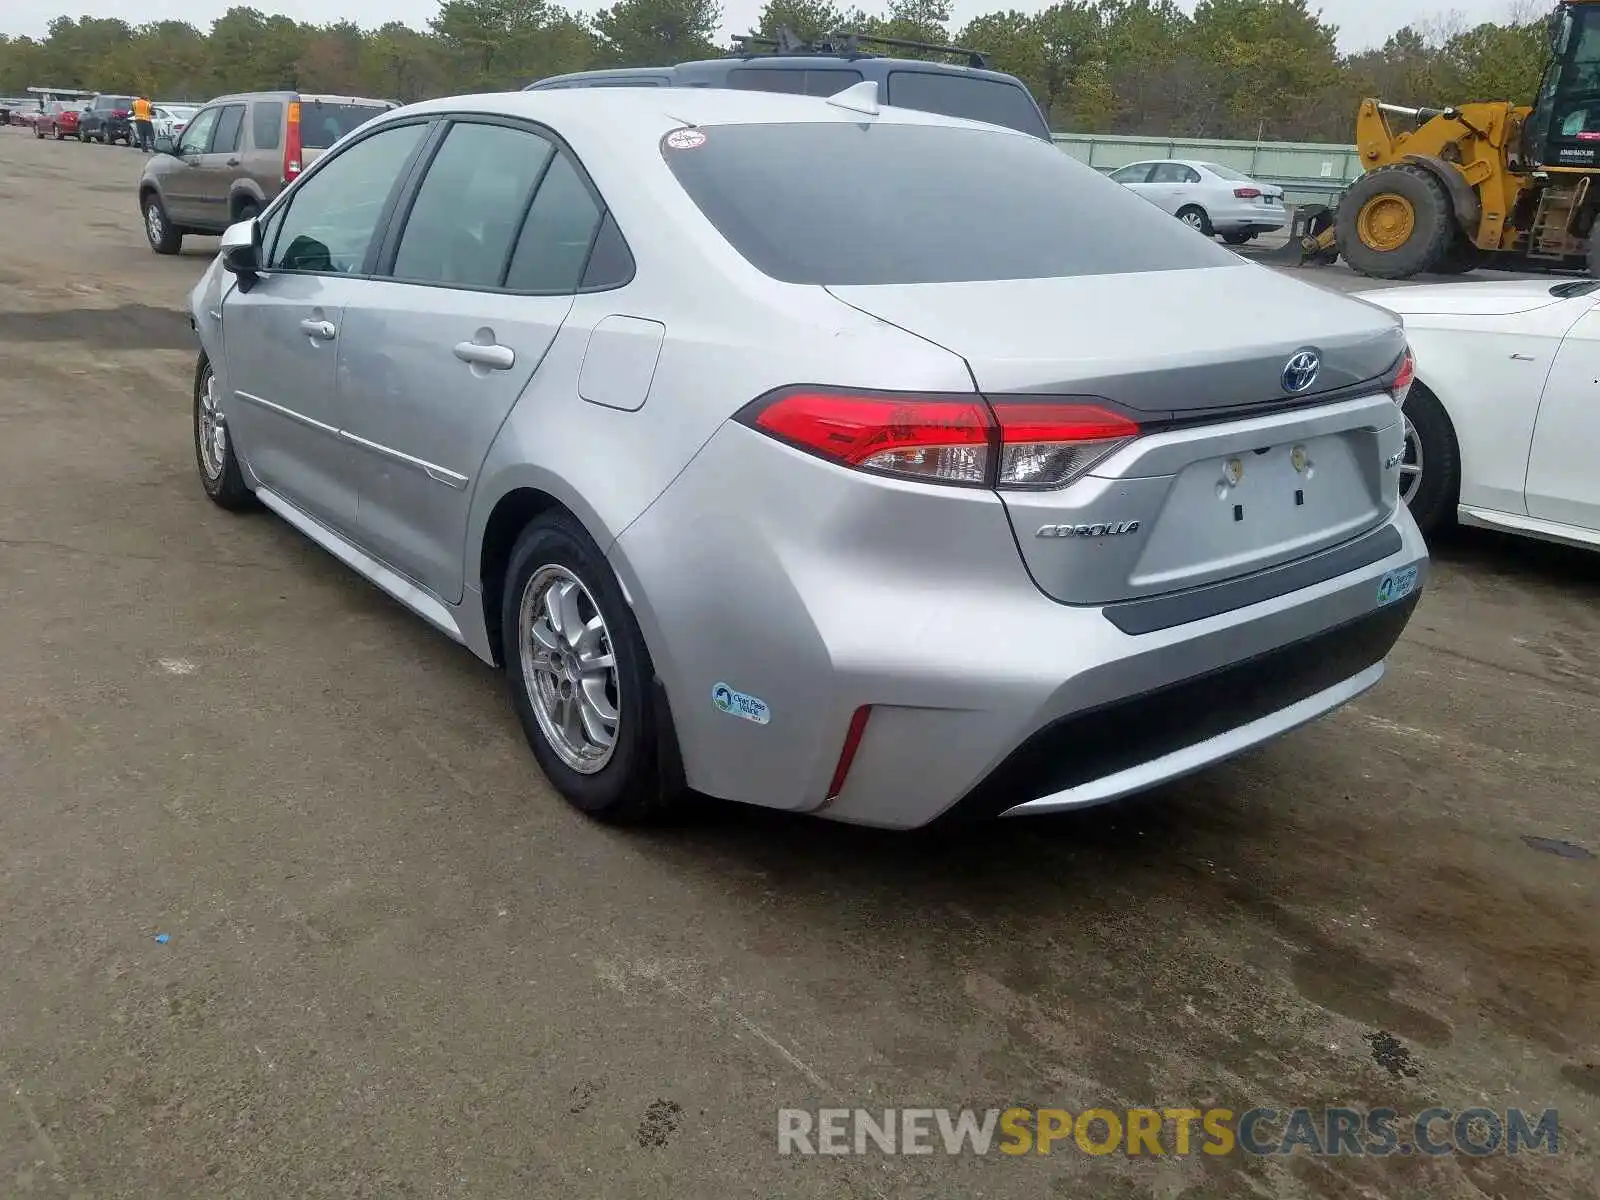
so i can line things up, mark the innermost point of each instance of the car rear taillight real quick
(1045, 444)
(1405, 374)
(1247, 193)
(962, 440)
(291, 144)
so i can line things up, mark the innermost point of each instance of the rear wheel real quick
(1430, 471)
(1239, 237)
(1195, 218)
(579, 674)
(1396, 222)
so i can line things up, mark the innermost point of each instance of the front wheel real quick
(164, 238)
(1430, 470)
(1396, 222)
(580, 675)
(213, 449)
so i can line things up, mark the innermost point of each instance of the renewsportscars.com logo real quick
(1178, 1132)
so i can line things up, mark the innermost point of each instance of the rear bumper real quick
(985, 695)
(1260, 218)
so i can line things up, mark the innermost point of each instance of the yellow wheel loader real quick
(1483, 182)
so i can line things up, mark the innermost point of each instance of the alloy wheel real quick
(569, 667)
(1411, 463)
(213, 431)
(154, 225)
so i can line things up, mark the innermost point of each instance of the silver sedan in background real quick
(817, 455)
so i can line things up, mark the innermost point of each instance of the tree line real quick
(1233, 68)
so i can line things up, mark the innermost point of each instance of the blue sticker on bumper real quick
(1397, 585)
(737, 704)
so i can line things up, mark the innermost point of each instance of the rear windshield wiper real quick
(1578, 287)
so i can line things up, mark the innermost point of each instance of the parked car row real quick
(107, 119)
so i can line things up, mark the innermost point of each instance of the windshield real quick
(847, 203)
(1571, 91)
(1227, 173)
(323, 124)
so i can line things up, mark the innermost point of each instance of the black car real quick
(826, 67)
(107, 119)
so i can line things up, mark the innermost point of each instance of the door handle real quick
(322, 330)
(496, 357)
(233, 162)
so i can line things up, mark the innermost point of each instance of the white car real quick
(1212, 198)
(1503, 422)
(170, 120)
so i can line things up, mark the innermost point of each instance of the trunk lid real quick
(1237, 474)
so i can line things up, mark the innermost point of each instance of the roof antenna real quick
(858, 97)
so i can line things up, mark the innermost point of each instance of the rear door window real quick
(900, 203)
(554, 245)
(470, 206)
(971, 97)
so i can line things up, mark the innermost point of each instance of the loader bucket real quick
(1310, 239)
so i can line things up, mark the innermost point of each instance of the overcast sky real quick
(1362, 23)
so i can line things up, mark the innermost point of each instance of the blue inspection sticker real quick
(1397, 585)
(737, 704)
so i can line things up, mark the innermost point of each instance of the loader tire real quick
(1396, 222)
(1462, 257)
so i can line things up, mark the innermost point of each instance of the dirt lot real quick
(398, 966)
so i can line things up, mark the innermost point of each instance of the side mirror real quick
(165, 144)
(241, 252)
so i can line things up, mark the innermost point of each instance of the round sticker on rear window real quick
(685, 139)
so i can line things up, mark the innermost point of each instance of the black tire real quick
(1433, 230)
(634, 785)
(170, 239)
(1463, 257)
(1438, 489)
(1195, 216)
(225, 486)
(1239, 237)
(82, 137)
(59, 135)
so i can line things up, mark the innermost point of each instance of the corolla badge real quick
(1300, 372)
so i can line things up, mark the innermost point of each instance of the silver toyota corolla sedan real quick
(812, 454)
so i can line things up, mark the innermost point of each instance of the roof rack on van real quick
(844, 45)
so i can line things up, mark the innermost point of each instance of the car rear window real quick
(324, 123)
(807, 82)
(970, 96)
(116, 101)
(841, 202)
